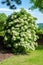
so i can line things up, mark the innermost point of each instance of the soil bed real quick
(4, 54)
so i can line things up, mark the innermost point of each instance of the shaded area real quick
(40, 47)
(4, 52)
(40, 41)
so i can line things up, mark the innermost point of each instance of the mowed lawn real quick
(33, 58)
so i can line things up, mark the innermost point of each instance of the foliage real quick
(40, 33)
(37, 4)
(2, 20)
(40, 25)
(20, 30)
(11, 3)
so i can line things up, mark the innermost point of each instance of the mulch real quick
(4, 54)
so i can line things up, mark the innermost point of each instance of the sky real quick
(25, 4)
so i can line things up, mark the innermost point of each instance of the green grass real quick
(34, 58)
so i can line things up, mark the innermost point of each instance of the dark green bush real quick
(19, 49)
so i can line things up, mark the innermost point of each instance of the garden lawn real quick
(33, 58)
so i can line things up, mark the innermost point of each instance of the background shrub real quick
(20, 31)
(40, 33)
(3, 18)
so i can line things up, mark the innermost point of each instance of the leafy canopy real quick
(37, 4)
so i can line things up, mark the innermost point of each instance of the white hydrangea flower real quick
(12, 28)
(17, 20)
(15, 33)
(29, 35)
(26, 22)
(25, 27)
(21, 27)
(18, 37)
(15, 16)
(22, 34)
(8, 31)
(22, 39)
(21, 20)
(10, 23)
(18, 25)
(31, 18)
(32, 46)
(28, 19)
(16, 44)
(5, 38)
(14, 38)
(29, 31)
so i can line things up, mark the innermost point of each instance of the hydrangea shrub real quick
(20, 30)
